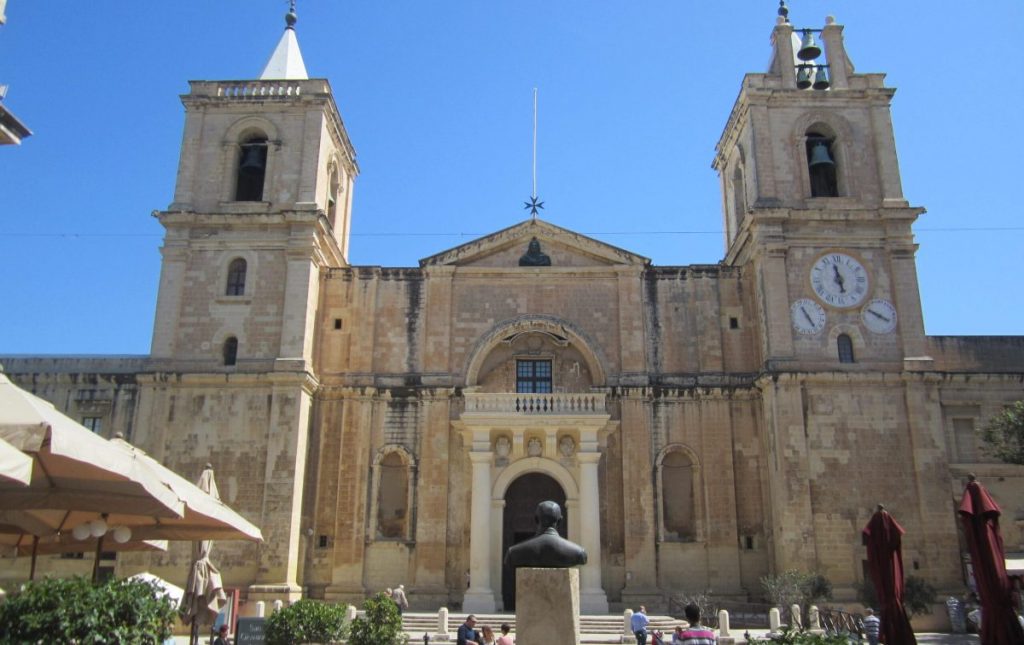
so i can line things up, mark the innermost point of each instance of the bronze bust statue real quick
(534, 257)
(547, 549)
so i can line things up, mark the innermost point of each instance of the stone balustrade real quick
(260, 89)
(569, 403)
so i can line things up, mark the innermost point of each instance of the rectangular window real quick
(966, 442)
(533, 377)
(93, 423)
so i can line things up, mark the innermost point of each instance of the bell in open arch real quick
(803, 77)
(820, 155)
(253, 157)
(809, 50)
(821, 78)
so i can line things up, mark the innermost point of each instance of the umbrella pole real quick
(32, 569)
(96, 560)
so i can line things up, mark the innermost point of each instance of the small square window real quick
(93, 423)
(337, 323)
(734, 322)
(323, 542)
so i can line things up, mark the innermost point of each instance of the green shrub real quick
(381, 623)
(73, 610)
(307, 621)
(790, 636)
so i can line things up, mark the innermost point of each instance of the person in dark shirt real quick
(467, 635)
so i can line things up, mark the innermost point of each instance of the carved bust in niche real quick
(567, 446)
(534, 257)
(502, 447)
(534, 447)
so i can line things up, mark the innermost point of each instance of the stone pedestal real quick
(547, 605)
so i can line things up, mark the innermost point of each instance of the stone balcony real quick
(513, 404)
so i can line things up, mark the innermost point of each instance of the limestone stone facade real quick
(702, 425)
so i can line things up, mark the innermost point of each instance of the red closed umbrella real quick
(883, 537)
(980, 516)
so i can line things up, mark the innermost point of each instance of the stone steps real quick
(593, 629)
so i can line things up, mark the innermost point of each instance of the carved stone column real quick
(593, 599)
(480, 597)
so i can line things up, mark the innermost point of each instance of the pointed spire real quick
(286, 61)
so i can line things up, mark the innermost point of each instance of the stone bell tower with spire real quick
(815, 216)
(261, 208)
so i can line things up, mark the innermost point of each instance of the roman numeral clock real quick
(841, 281)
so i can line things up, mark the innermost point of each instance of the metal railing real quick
(837, 621)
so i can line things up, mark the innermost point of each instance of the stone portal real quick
(519, 524)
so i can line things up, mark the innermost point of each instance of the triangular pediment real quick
(560, 246)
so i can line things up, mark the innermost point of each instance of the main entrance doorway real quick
(521, 501)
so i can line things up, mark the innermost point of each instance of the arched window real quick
(236, 278)
(844, 344)
(821, 165)
(252, 169)
(230, 350)
(333, 195)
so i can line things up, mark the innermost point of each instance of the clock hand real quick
(807, 316)
(878, 315)
(838, 278)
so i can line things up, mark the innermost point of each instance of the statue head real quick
(548, 515)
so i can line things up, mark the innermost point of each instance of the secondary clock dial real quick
(839, 280)
(879, 316)
(808, 316)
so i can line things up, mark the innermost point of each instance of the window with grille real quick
(236, 277)
(533, 376)
(845, 346)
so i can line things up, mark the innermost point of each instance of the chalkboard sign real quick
(251, 631)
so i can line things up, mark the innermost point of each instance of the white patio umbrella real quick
(80, 482)
(204, 590)
(15, 466)
(205, 516)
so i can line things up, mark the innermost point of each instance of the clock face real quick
(879, 316)
(808, 316)
(839, 280)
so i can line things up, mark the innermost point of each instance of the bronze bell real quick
(821, 78)
(808, 49)
(252, 157)
(803, 77)
(820, 155)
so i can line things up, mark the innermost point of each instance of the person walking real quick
(398, 595)
(695, 634)
(638, 624)
(505, 638)
(872, 626)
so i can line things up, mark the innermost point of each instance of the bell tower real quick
(262, 203)
(814, 207)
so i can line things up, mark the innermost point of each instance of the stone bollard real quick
(350, 613)
(724, 635)
(627, 633)
(774, 622)
(796, 618)
(814, 620)
(277, 605)
(261, 609)
(723, 623)
(442, 623)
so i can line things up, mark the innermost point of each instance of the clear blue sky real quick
(436, 95)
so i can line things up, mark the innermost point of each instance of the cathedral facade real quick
(702, 426)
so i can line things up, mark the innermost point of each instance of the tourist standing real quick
(505, 638)
(638, 623)
(695, 634)
(488, 634)
(467, 634)
(872, 627)
(398, 595)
